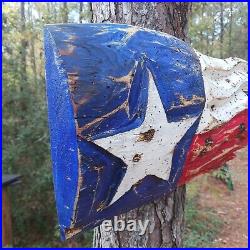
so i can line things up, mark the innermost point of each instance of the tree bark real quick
(166, 215)
(65, 12)
(171, 18)
(213, 37)
(23, 58)
(24, 44)
(221, 30)
(230, 30)
(80, 11)
(54, 11)
(32, 44)
(201, 31)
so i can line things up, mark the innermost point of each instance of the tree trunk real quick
(65, 12)
(23, 45)
(48, 7)
(54, 11)
(23, 59)
(201, 31)
(230, 30)
(80, 12)
(32, 44)
(166, 215)
(221, 30)
(213, 37)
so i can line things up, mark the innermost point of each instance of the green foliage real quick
(205, 29)
(202, 225)
(225, 176)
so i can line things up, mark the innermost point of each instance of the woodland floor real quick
(228, 208)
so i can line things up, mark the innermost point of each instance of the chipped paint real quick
(193, 100)
(151, 158)
(100, 119)
(67, 51)
(184, 102)
(72, 80)
(130, 31)
(77, 104)
(225, 141)
(137, 157)
(225, 81)
(132, 115)
(146, 136)
(127, 79)
(220, 129)
(69, 233)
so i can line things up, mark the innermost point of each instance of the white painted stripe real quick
(225, 81)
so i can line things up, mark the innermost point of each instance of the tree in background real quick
(65, 13)
(220, 25)
(215, 27)
(25, 133)
(221, 29)
(80, 12)
(23, 44)
(166, 215)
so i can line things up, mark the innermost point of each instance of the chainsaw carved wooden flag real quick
(133, 113)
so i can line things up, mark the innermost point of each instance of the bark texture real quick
(230, 30)
(171, 17)
(65, 13)
(166, 215)
(80, 12)
(221, 29)
(165, 229)
(24, 44)
(32, 45)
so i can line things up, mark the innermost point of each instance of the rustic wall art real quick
(133, 113)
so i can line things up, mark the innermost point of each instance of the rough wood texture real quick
(223, 125)
(212, 149)
(6, 218)
(124, 105)
(105, 83)
(167, 214)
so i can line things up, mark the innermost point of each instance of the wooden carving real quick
(133, 113)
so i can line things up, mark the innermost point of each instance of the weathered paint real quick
(212, 149)
(147, 157)
(124, 106)
(223, 125)
(225, 82)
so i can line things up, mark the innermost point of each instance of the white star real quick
(148, 149)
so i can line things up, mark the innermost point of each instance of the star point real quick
(147, 149)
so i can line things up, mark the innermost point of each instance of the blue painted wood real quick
(81, 63)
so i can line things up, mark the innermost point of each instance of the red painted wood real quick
(212, 149)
